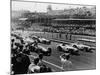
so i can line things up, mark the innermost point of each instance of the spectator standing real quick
(20, 63)
(66, 63)
(70, 36)
(40, 59)
(59, 35)
(35, 43)
(33, 67)
(67, 36)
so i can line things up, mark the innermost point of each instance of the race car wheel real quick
(71, 51)
(44, 42)
(49, 42)
(49, 51)
(76, 53)
(38, 51)
(75, 46)
(59, 48)
(89, 50)
(86, 49)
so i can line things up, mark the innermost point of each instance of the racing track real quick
(85, 61)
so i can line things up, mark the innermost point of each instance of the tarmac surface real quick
(86, 60)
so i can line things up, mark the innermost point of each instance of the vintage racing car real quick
(40, 49)
(83, 47)
(28, 40)
(44, 41)
(68, 49)
(40, 39)
(44, 51)
(34, 37)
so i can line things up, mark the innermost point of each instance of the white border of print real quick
(5, 36)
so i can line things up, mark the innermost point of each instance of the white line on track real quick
(53, 64)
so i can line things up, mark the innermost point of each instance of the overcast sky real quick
(40, 7)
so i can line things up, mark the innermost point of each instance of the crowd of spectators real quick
(20, 58)
(73, 29)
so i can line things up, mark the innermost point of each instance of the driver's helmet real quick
(63, 44)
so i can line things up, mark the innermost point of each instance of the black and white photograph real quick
(52, 37)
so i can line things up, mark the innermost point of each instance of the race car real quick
(40, 40)
(34, 37)
(44, 51)
(28, 40)
(83, 47)
(40, 49)
(16, 36)
(67, 48)
(44, 41)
